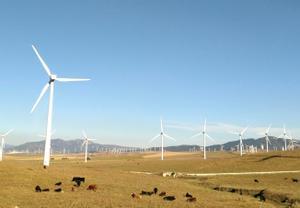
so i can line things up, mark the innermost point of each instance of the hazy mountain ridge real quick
(75, 146)
(60, 146)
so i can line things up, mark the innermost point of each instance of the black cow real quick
(188, 195)
(256, 181)
(162, 194)
(169, 198)
(78, 180)
(155, 190)
(146, 193)
(46, 190)
(58, 184)
(38, 189)
(295, 180)
(260, 195)
(58, 190)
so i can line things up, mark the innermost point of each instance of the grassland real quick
(112, 173)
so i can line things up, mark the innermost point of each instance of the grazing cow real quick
(78, 180)
(256, 181)
(58, 184)
(260, 195)
(163, 193)
(155, 190)
(188, 195)
(146, 193)
(92, 187)
(295, 180)
(58, 190)
(72, 189)
(169, 198)
(136, 196)
(191, 199)
(46, 190)
(38, 189)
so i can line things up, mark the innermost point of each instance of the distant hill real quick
(276, 144)
(60, 146)
(75, 146)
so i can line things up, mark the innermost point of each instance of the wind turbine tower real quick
(50, 83)
(162, 135)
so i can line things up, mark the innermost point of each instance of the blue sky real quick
(233, 62)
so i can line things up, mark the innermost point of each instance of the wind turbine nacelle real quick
(53, 76)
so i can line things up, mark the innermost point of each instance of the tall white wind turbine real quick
(204, 135)
(285, 137)
(50, 83)
(3, 143)
(241, 135)
(85, 142)
(267, 137)
(162, 135)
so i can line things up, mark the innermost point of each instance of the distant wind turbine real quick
(3, 143)
(284, 136)
(204, 134)
(267, 137)
(162, 135)
(241, 135)
(50, 83)
(291, 142)
(85, 142)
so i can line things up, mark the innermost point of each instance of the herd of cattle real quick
(189, 197)
(77, 182)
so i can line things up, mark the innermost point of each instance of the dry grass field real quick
(112, 174)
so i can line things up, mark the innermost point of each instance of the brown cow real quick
(92, 187)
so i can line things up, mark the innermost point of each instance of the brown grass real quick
(21, 173)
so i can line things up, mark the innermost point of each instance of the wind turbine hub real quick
(52, 78)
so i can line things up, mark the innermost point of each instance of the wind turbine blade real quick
(42, 61)
(268, 129)
(196, 135)
(83, 143)
(7, 133)
(245, 129)
(169, 137)
(204, 126)
(161, 125)
(71, 79)
(210, 138)
(151, 140)
(40, 97)
(84, 134)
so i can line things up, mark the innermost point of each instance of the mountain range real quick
(75, 146)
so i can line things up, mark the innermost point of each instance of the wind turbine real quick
(267, 137)
(50, 83)
(3, 144)
(241, 134)
(85, 142)
(291, 142)
(284, 136)
(204, 134)
(162, 135)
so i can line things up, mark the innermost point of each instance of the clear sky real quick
(235, 63)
